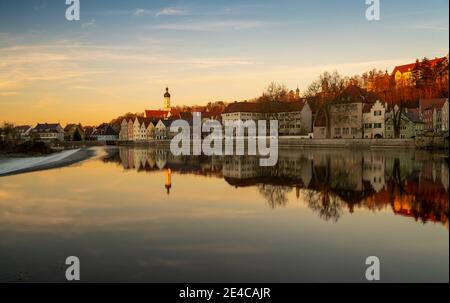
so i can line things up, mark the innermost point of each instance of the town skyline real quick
(121, 55)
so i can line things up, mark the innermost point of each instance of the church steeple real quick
(297, 92)
(167, 100)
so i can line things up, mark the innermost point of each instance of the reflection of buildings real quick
(373, 171)
(410, 183)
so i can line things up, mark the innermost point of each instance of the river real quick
(143, 215)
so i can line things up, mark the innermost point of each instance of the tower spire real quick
(167, 99)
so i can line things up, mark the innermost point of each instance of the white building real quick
(374, 120)
(48, 132)
(294, 118)
(123, 133)
(444, 116)
(23, 132)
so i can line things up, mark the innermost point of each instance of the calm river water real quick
(142, 215)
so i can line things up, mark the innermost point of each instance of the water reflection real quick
(412, 183)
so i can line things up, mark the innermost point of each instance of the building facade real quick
(294, 118)
(23, 132)
(374, 120)
(48, 132)
(445, 116)
(410, 126)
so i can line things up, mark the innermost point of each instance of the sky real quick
(122, 54)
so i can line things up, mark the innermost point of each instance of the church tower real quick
(167, 100)
(297, 93)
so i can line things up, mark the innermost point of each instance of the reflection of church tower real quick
(167, 100)
(168, 180)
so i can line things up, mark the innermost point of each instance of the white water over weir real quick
(8, 165)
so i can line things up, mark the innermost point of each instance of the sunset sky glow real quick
(120, 56)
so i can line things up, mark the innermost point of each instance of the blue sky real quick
(204, 50)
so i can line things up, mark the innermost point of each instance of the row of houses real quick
(54, 132)
(354, 114)
(357, 114)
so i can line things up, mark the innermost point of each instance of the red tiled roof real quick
(367, 107)
(431, 103)
(404, 68)
(355, 94)
(409, 67)
(158, 114)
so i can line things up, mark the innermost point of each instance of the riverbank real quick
(347, 143)
(313, 143)
(18, 165)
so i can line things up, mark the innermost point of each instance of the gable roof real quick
(22, 128)
(355, 94)
(109, 131)
(413, 117)
(161, 114)
(166, 123)
(410, 66)
(367, 107)
(70, 125)
(265, 107)
(47, 128)
(404, 68)
(425, 104)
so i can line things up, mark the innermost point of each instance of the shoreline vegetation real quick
(18, 165)
(25, 149)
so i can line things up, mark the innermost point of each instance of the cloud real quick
(92, 23)
(431, 27)
(214, 26)
(143, 12)
(171, 11)
(168, 11)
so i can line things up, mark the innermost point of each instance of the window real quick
(368, 125)
(354, 131)
(377, 125)
(345, 131)
(337, 131)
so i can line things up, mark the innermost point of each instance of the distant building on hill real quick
(403, 74)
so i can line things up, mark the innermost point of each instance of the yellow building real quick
(403, 73)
